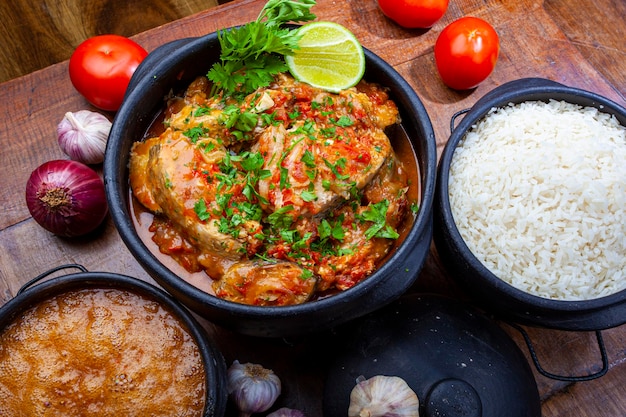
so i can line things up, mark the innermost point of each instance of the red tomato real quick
(466, 52)
(414, 13)
(101, 67)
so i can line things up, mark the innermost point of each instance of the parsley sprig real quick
(252, 54)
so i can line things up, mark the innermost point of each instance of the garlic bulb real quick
(383, 396)
(253, 388)
(83, 136)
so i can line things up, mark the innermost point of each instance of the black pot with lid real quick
(457, 360)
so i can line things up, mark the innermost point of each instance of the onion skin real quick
(66, 198)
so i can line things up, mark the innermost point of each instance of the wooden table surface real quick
(44, 32)
(580, 44)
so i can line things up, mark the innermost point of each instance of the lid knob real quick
(453, 398)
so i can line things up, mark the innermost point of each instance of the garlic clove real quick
(383, 396)
(252, 387)
(83, 136)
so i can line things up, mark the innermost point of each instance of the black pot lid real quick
(458, 361)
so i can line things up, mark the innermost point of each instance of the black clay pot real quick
(487, 289)
(173, 67)
(36, 292)
(457, 360)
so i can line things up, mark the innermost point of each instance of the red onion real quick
(66, 198)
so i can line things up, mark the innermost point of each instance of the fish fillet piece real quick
(266, 283)
(177, 183)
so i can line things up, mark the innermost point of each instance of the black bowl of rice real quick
(530, 213)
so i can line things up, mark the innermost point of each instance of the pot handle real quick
(49, 272)
(581, 378)
(509, 89)
(456, 116)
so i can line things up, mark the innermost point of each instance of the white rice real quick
(538, 193)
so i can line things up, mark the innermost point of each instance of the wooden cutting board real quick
(575, 43)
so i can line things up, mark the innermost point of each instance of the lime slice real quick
(329, 57)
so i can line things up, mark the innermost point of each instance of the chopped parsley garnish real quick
(333, 230)
(238, 121)
(201, 111)
(340, 164)
(207, 146)
(251, 210)
(308, 195)
(306, 274)
(344, 121)
(196, 132)
(201, 210)
(280, 218)
(307, 129)
(269, 119)
(308, 159)
(251, 161)
(284, 178)
(328, 132)
(222, 200)
(377, 214)
(168, 182)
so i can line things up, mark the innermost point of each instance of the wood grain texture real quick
(579, 44)
(598, 32)
(36, 34)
